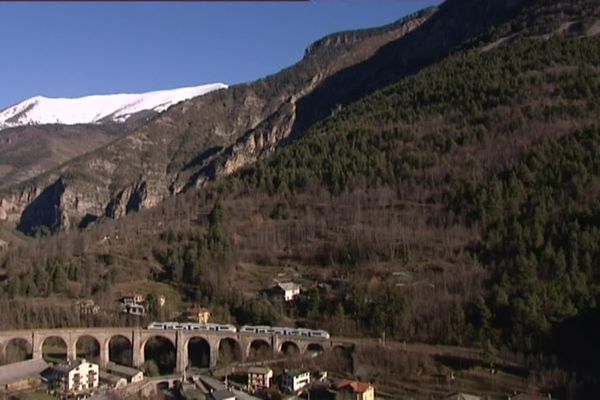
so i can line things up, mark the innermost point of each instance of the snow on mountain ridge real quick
(96, 108)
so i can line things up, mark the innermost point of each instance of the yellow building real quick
(198, 314)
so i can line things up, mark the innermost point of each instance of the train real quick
(189, 326)
(283, 331)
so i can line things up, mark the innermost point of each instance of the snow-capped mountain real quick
(96, 109)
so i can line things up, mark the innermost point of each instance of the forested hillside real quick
(459, 205)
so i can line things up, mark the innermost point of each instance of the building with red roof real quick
(353, 390)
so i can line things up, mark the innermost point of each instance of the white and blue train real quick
(283, 331)
(190, 326)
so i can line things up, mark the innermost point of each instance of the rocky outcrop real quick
(257, 143)
(47, 214)
(254, 145)
(130, 199)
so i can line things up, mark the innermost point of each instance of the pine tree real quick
(59, 280)
(41, 280)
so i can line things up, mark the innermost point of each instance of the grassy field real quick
(38, 395)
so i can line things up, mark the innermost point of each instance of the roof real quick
(288, 286)
(21, 370)
(239, 395)
(525, 396)
(222, 394)
(356, 387)
(122, 370)
(68, 366)
(193, 394)
(112, 379)
(190, 392)
(259, 370)
(212, 383)
(297, 372)
(462, 396)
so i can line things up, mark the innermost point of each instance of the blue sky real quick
(75, 49)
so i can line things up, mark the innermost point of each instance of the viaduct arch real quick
(137, 338)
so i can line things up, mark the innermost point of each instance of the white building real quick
(132, 299)
(134, 309)
(75, 376)
(293, 381)
(259, 378)
(288, 291)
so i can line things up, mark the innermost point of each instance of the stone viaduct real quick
(180, 339)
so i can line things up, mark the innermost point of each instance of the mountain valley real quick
(432, 179)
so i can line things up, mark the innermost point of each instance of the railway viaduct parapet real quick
(242, 343)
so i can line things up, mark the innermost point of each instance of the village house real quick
(131, 375)
(112, 381)
(352, 390)
(287, 291)
(293, 381)
(134, 309)
(259, 378)
(132, 299)
(133, 304)
(200, 315)
(22, 375)
(74, 376)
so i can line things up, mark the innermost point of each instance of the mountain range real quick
(97, 109)
(39, 134)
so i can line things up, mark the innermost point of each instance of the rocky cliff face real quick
(47, 212)
(219, 133)
(189, 144)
